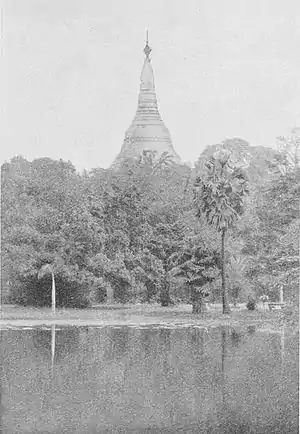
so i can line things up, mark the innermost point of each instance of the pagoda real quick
(147, 131)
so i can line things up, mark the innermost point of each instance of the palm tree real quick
(219, 199)
(48, 269)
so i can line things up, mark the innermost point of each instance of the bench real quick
(276, 306)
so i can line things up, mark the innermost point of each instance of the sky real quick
(70, 72)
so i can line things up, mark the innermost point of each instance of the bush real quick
(31, 291)
(291, 315)
(251, 304)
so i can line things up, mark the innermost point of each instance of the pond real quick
(150, 379)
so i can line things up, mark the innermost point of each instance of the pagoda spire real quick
(147, 76)
(147, 49)
(147, 130)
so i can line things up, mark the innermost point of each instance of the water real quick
(148, 379)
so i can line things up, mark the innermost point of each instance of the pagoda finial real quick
(147, 49)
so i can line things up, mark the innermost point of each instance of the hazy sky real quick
(70, 73)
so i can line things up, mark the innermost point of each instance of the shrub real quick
(264, 298)
(29, 291)
(251, 304)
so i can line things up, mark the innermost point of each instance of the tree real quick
(44, 220)
(219, 199)
(273, 243)
(197, 265)
(237, 265)
(145, 203)
(115, 274)
(290, 148)
(108, 228)
(166, 239)
(148, 270)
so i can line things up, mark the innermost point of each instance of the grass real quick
(149, 314)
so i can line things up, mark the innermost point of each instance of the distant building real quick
(147, 131)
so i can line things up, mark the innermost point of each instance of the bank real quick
(150, 315)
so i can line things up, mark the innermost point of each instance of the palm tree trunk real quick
(53, 293)
(226, 308)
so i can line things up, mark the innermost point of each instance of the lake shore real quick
(149, 315)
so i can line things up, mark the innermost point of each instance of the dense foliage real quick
(133, 234)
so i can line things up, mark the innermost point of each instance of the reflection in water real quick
(165, 348)
(223, 357)
(236, 338)
(183, 380)
(52, 347)
(118, 338)
(223, 340)
(58, 342)
(1, 406)
(197, 342)
(251, 329)
(164, 337)
(148, 342)
(282, 346)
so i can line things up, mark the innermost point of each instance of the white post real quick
(281, 295)
(53, 293)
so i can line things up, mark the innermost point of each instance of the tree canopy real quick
(134, 232)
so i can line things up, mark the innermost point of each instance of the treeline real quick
(134, 235)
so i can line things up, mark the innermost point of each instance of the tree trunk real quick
(226, 308)
(198, 303)
(53, 293)
(165, 294)
(197, 307)
(109, 294)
